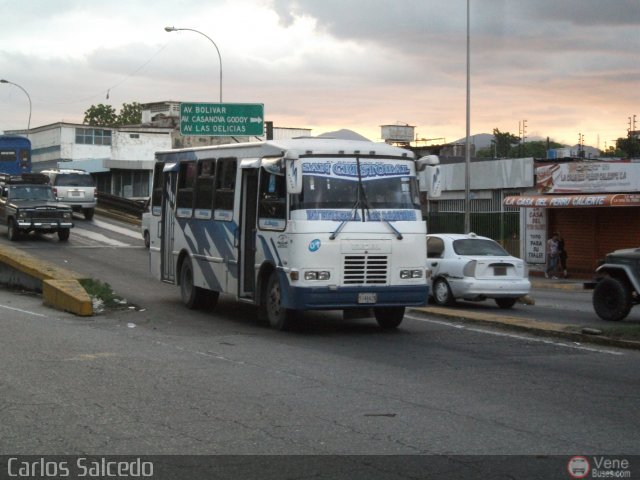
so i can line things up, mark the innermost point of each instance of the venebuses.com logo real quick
(599, 467)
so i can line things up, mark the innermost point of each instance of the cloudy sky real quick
(567, 67)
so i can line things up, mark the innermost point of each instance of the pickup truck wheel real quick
(88, 213)
(612, 299)
(63, 234)
(13, 232)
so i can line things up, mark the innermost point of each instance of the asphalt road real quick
(156, 378)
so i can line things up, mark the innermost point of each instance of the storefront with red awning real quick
(592, 225)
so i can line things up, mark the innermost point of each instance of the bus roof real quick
(302, 145)
(10, 137)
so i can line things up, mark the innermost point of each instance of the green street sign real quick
(222, 119)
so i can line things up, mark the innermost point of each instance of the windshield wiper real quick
(366, 210)
(354, 211)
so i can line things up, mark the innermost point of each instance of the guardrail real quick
(124, 205)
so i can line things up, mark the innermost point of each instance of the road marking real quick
(515, 336)
(114, 228)
(98, 237)
(23, 311)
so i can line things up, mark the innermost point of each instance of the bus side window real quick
(205, 183)
(225, 185)
(184, 197)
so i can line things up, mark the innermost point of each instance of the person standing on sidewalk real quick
(552, 256)
(562, 256)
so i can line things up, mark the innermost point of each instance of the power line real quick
(106, 92)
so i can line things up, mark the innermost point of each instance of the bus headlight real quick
(413, 273)
(317, 275)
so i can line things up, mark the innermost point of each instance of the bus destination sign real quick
(222, 119)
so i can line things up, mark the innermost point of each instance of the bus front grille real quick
(365, 269)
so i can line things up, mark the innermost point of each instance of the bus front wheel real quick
(389, 317)
(279, 317)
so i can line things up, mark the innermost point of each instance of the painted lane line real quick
(23, 311)
(114, 228)
(517, 337)
(98, 237)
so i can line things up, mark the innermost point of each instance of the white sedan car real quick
(470, 267)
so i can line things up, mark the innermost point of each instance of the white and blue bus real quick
(291, 225)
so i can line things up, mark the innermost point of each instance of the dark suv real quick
(27, 204)
(617, 287)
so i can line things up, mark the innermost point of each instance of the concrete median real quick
(60, 287)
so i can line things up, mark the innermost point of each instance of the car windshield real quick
(74, 180)
(32, 192)
(478, 246)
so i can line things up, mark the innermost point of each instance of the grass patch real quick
(103, 292)
(625, 332)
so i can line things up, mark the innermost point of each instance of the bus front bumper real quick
(329, 298)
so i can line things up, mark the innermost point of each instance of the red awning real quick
(574, 201)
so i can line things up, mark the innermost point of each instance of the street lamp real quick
(467, 145)
(174, 29)
(27, 94)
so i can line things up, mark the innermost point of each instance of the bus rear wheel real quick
(194, 297)
(279, 318)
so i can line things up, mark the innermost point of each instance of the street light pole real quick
(174, 29)
(27, 94)
(467, 148)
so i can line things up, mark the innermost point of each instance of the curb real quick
(60, 287)
(569, 332)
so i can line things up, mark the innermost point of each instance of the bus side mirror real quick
(293, 172)
(429, 175)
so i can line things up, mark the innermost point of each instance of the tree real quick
(130, 114)
(100, 115)
(630, 146)
(503, 142)
(106, 116)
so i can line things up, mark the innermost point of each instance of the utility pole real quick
(467, 149)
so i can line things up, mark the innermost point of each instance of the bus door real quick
(247, 240)
(168, 267)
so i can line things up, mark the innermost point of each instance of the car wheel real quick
(389, 317)
(13, 232)
(442, 293)
(194, 297)
(505, 302)
(279, 318)
(63, 234)
(88, 213)
(147, 239)
(612, 299)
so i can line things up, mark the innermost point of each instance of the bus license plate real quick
(367, 297)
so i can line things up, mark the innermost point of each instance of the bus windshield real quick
(336, 185)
